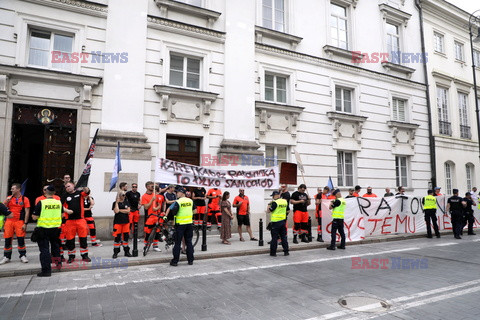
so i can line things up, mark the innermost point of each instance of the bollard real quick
(135, 240)
(260, 233)
(309, 234)
(204, 235)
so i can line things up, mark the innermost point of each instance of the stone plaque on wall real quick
(122, 177)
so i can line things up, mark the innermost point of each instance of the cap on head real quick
(302, 186)
(430, 191)
(336, 191)
(274, 193)
(171, 186)
(182, 190)
(455, 190)
(468, 194)
(437, 188)
(51, 188)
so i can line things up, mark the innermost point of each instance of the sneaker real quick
(173, 264)
(190, 263)
(157, 249)
(4, 260)
(86, 258)
(24, 259)
(97, 244)
(70, 259)
(330, 248)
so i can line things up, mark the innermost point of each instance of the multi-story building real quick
(181, 79)
(450, 77)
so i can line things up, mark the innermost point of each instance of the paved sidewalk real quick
(102, 256)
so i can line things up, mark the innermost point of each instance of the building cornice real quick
(402, 125)
(84, 7)
(278, 107)
(398, 67)
(33, 73)
(261, 32)
(182, 92)
(333, 64)
(394, 14)
(188, 9)
(186, 29)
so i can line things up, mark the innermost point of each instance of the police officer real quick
(182, 210)
(48, 213)
(455, 206)
(278, 218)
(338, 214)
(468, 212)
(430, 210)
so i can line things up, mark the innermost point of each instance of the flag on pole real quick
(24, 187)
(299, 161)
(330, 183)
(83, 181)
(117, 167)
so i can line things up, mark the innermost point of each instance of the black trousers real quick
(278, 230)
(337, 225)
(457, 223)
(470, 219)
(183, 231)
(431, 218)
(49, 239)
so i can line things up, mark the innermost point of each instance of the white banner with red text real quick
(366, 217)
(178, 173)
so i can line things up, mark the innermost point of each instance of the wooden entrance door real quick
(183, 149)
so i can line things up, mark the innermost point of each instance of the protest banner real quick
(366, 217)
(174, 172)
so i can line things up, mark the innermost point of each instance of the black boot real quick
(127, 251)
(86, 258)
(319, 238)
(304, 237)
(71, 258)
(295, 239)
(115, 253)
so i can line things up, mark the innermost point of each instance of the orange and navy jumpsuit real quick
(318, 210)
(152, 216)
(90, 220)
(14, 224)
(76, 223)
(214, 213)
(199, 217)
(121, 228)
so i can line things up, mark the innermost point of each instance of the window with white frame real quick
(197, 3)
(463, 109)
(476, 58)
(275, 88)
(339, 26)
(43, 43)
(275, 155)
(459, 51)
(448, 177)
(184, 71)
(438, 42)
(469, 174)
(273, 14)
(401, 169)
(345, 168)
(444, 124)
(343, 99)
(399, 108)
(393, 41)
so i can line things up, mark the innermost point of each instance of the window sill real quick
(343, 116)
(398, 67)
(335, 51)
(441, 54)
(461, 62)
(272, 106)
(165, 5)
(261, 32)
(269, 111)
(166, 92)
(402, 124)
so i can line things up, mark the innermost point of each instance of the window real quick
(399, 112)
(476, 58)
(338, 26)
(345, 169)
(401, 168)
(184, 71)
(469, 174)
(183, 149)
(197, 3)
(273, 14)
(393, 42)
(438, 42)
(343, 99)
(275, 88)
(463, 108)
(442, 105)
(459, 51)
(275, 155)
(42, 43)
(448, 178)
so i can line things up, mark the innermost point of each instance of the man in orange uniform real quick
(76, 223)
(242, 203)
(300, 201)
(16, 223)
(43, 197)
(153, 205)
(356, 193)
(322, 194)
(369, 193)
(214, 195)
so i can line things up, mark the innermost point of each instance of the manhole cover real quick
(364, 304)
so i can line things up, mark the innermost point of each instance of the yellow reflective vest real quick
(339, 212)
(185, 211)
(430, 202)
(280, 212)
(50, 214)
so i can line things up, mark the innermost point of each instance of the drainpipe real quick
(431, 138)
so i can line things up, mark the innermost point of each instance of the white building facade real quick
(188, 80)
